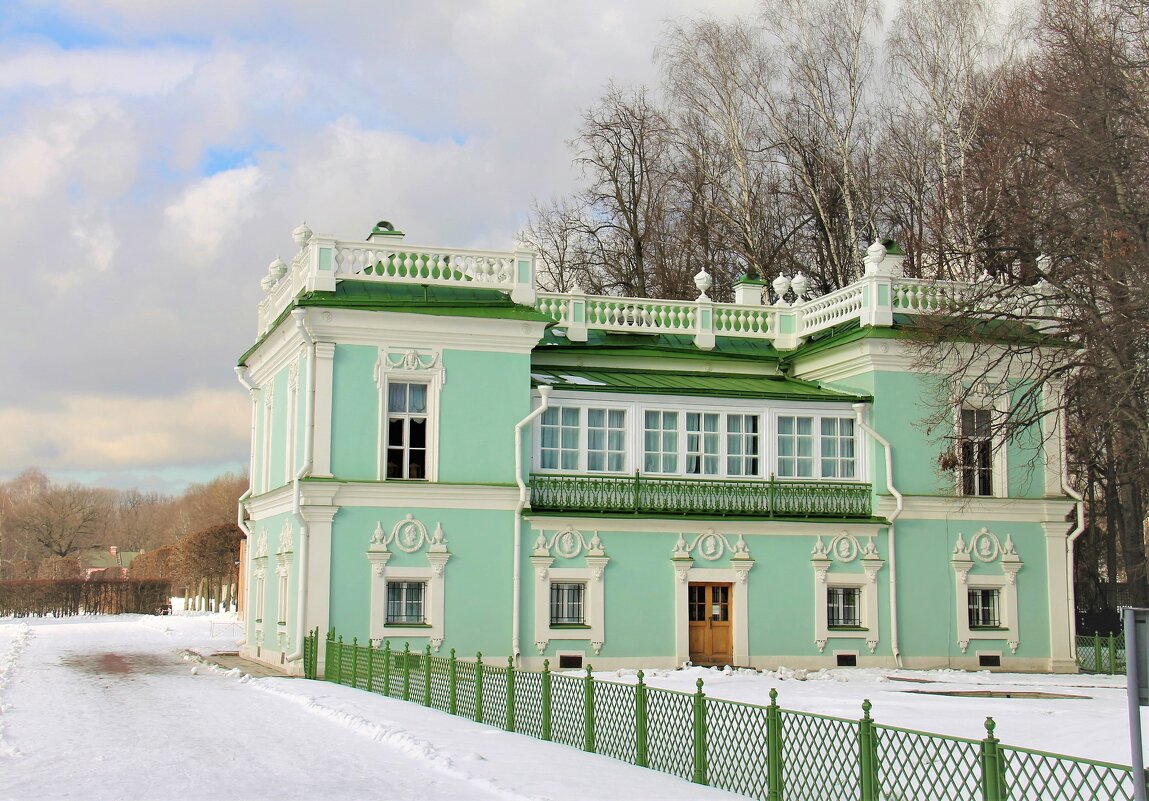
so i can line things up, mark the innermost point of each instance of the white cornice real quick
(853, 359)
(363, 327)
(396, 494)
(276, 502)
(1011, 510)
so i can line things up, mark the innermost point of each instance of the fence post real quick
(406, 671)
(427, 675)
(1112, 654)
(1096, 652)
(339, 662)
(387, 668)
(510, 693)
(640, 741)
(991, 767)
(371, 649)
(867, 751)
(452, 686)
(699, 735)
(588, 711)
(773, 749)
(546, 733)
(479, 686)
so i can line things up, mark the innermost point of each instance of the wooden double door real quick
(711, 635)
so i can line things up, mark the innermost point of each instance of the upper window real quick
(984, 608)
(606, 440)
(660, 442)
(619, 437)
(702, 443)
(560, 438)
(567, 607)
(975, 452)
(405, 602)
(406, 430)
(742, 444)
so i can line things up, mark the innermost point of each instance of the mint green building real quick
(442, 455)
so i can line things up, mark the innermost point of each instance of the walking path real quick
(115, 707)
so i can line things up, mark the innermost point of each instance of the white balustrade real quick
(829, 310)
(322, 262)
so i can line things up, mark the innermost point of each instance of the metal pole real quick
(1133, 688)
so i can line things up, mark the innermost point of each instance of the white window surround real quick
(283, 559)
(409, 536)
(710, 546)
(986, 548)
(569, 543)
(265, 455)
(845, 549)
(998, 406)
(291, 425)
(767, 412)
(411, 366)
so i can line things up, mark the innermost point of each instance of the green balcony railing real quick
(639, 494)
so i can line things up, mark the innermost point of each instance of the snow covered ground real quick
(113, 707)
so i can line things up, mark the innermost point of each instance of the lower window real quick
(405, 602)
(984, 608)
(567, 603)
(843, 606)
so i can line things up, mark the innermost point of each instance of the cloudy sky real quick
(155, 155)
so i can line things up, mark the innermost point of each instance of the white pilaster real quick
(321, 433)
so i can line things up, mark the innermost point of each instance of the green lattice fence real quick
(913, 764)
(742, 764)
(820, 757)
(669, 735)
(1101, 653)
(1037, 775)
(762, 752)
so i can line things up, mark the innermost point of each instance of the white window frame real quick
(767, 415)
(816, 418)
(409, 536)
(268, 417)
(846, 550)
(260, 593)
(999, 457)
(570, 544)
(410, 366)
(986, 548)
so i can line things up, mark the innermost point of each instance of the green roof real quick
(446, 301)
(650, 382)
(682, 345)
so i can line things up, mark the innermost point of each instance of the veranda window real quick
(975, 452)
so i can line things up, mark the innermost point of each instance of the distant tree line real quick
(190, 541)
(1010, 150)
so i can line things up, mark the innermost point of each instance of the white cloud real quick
(109, 433)
(128, 72)
(212, 210)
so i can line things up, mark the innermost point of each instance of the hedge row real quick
(64, 597)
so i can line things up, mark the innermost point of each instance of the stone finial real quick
(781, 286)
(703, 281)
(277, 269)
(301, 235)
(800, 283)
(875, 253)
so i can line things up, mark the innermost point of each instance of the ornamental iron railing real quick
(639, 494)
(762, 752)
(1101, 653)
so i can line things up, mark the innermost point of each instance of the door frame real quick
(739, 625)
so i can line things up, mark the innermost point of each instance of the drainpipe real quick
(300, 317)
(245, 378)
(1078, 530)
(517, 528)
(859, 414)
